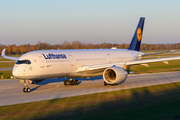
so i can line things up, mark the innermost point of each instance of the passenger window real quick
(23, 62)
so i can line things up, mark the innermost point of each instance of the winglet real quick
(4, 55)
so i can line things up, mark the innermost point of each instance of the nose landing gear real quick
(26, 89)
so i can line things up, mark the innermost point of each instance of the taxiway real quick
(5, 69)
(11, 90)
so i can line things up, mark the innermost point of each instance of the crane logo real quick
(139, 34)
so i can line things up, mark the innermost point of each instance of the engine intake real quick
(114, 75)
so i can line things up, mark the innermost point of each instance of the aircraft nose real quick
(15, 71)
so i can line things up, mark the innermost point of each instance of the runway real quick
(5, 69)
(11, 90)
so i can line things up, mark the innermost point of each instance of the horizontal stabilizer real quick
(157, 53)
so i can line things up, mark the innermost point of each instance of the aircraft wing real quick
(4, 56)
(128, 63)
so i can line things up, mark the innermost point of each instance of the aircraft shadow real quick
(54, 80)
(33, 89)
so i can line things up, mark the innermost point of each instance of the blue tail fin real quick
(136, 40)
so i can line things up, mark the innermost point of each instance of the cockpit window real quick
(23, 62)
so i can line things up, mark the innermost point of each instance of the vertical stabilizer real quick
(136, 40)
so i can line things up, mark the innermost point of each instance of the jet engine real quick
(114, 75)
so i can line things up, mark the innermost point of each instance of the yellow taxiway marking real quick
(47, 89)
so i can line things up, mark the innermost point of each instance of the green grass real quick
(6, 74)
(6, 60)
(7, 65)
(12, 55)
(161, 102)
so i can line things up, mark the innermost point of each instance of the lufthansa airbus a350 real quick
(35, 66)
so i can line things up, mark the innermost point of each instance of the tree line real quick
(21, 49)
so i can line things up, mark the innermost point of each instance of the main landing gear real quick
(26, 89)
(71, 82)
(106, 84)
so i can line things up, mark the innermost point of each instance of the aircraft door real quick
(41, 61)
(109, 58)
(71, 60)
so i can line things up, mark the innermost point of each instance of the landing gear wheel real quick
(65, 82)
(105, 83)
(72, 82)
(26, 90)
(76, 82)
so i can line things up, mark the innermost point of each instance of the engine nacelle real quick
(114, 75)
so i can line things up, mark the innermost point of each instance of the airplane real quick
(112, 64)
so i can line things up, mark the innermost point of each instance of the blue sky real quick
(89, 21)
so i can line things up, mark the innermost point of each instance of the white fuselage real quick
(65, 63)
